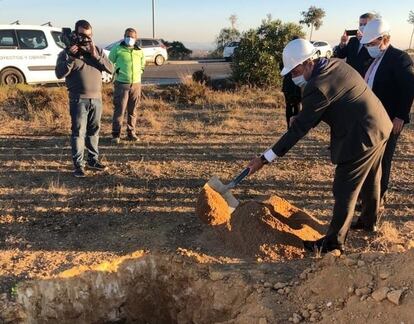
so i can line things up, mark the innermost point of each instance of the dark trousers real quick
(86, 122)
(127, 98)
(362, 177)
(386, 163)
(291, 110)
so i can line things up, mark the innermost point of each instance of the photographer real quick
(352, 50)
(82, 63)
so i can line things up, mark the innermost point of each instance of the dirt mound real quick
(360, 288)
(211, 208)
(272, 229)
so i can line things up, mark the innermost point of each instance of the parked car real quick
(154, 50)
(228, 51)
(28, 53)
(324, 49)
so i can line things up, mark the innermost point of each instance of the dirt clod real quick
(211, 208)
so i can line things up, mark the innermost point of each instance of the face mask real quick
(361, 28)
(129, 41)
(374, 51)
(300, 81)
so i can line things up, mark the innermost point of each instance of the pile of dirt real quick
(359, 288)
(211, 208)
(271, 229)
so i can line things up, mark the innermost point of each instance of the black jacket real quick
(359, 60)
(292, 92)
(341, 98)
(394, 83)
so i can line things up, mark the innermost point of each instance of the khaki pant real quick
(127, 98)
(359, 177)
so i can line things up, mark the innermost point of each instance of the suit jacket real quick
(340, 97)
(293, 94)
(359, 60)
(394, 83)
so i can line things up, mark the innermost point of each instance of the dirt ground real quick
(51, 222)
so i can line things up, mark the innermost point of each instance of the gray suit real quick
(360, 128)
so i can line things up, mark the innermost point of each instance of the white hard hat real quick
(296, 52)
(374, 29)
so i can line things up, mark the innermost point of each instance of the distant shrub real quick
(258, 59)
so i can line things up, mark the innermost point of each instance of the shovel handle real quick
(239, 178)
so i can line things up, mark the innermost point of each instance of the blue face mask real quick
(374, 51)
(300, 81)
(129, 41)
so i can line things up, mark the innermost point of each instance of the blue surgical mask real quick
(300, 81)
(374, 51)
(129, 41)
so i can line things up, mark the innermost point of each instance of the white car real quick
(154, 50)
(324, 49)
(28, 53)
(228, 51)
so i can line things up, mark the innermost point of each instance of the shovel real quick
(224, 189)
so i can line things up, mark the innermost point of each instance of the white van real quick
(28, 53)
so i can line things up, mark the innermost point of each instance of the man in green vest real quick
(129, 61)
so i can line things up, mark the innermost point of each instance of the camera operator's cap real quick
(375, 29)
(296, 52)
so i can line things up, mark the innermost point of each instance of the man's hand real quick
(255, 165)
(74, 49)
(92, 50)
(344, 39)
(398, 125)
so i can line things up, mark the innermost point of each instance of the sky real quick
(197, 23)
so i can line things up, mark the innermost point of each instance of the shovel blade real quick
(215, 184)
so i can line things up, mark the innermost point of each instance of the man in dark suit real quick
(336, 94)
(391, 77)
(352, 50)
(293, 97)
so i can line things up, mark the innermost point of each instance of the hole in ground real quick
(139, 289)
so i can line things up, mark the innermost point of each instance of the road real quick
(174, 73)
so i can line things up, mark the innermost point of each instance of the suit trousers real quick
(361, 176)
(127, 98)
(386, 163)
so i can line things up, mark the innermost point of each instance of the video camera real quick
(71, 38)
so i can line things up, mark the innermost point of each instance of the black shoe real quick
(359, 226)
(95, 165)
(79, 172)
(133, 138)
(322, 246)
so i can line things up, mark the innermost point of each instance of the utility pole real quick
(153, 18)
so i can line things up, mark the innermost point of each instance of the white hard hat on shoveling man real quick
(295, 53)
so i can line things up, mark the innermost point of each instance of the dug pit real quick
(271, 229)
(141, 289)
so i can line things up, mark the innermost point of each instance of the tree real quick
(177, 51)
(233, 21)
(226, 36)
(312, 18)
(258, 58)
(411, 21)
